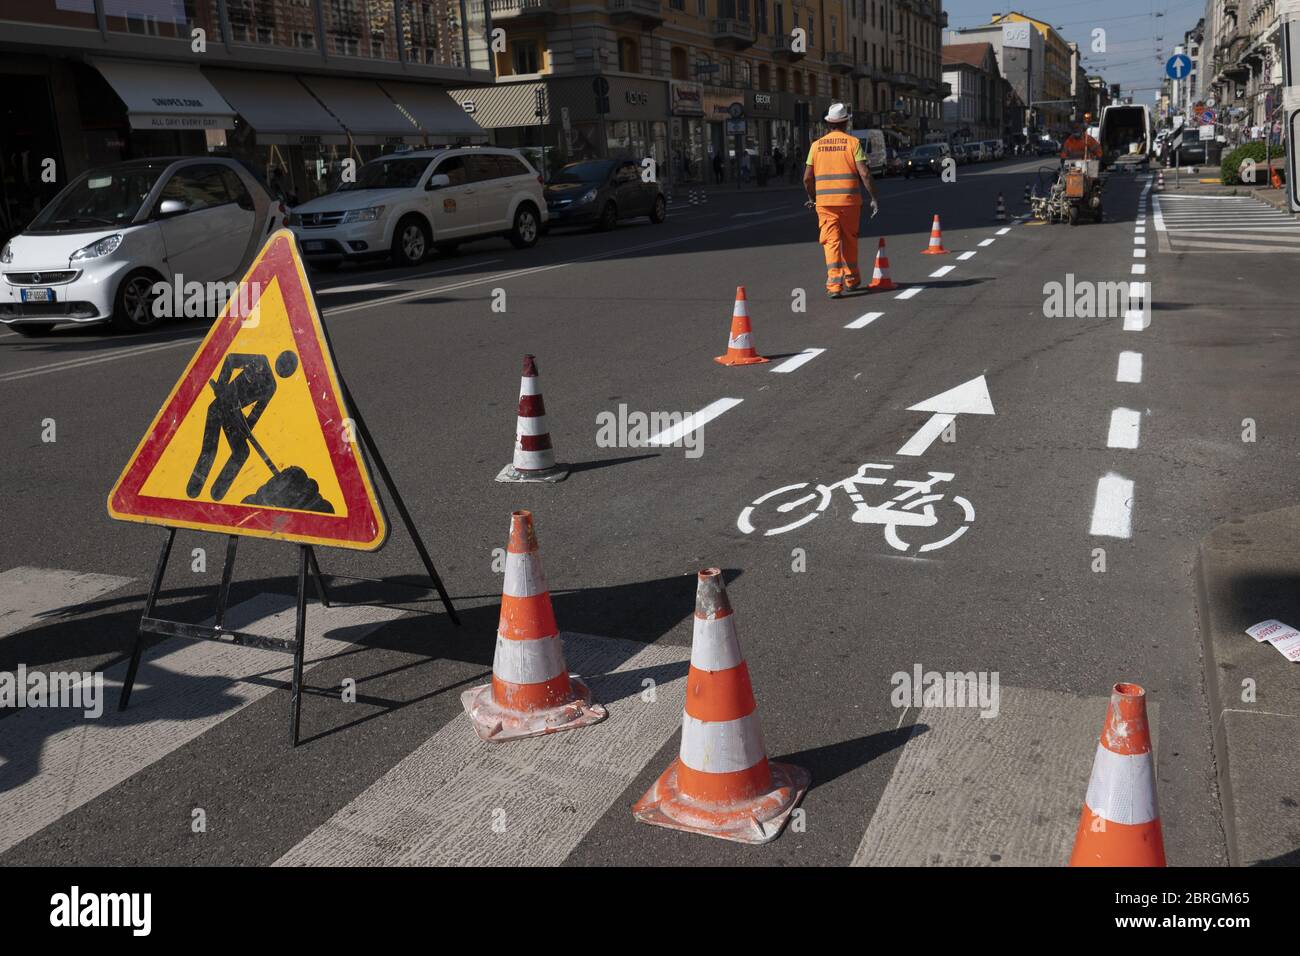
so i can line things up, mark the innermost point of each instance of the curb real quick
(1248, 570)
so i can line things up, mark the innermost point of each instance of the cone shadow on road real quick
(607, 462)
(835, 760)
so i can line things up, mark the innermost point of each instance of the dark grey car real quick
(600, 192)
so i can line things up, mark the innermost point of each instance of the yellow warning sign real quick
(254, 439)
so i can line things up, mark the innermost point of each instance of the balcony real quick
(905, 80)
(839, 62)
(863, 72)
(782, 49)
(733, 34)
(522, 9)
(648, 13)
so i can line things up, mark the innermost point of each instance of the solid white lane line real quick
(966, 255)
(1130, 367)
(1138, 269)
(1004, 230)
(31, 596)
(1112, 509)
(941, 272)
(1125, 424)
(697, 420)
(986, 242)
(795, 361)
(908, 293)
(862, 321)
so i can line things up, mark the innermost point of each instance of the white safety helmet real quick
(839, 113)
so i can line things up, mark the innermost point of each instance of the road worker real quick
(836, 167)
(1080, 145)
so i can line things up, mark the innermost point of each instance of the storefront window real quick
(475, 12)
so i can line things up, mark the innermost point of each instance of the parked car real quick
(1047, 147)
(873, 144)
(994, 148)
(894, 162)
(600, 192)
(927, 159)
(97, 249)
(403, 204)
(962, 153)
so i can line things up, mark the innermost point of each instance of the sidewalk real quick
(1248, 571)
(1190, 184)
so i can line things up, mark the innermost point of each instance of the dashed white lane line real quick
(986, 242)
(1139, 252)
(862, 321)
(697, 420)
(1004, 230)
(1125, 423)
(1112, 509)
(1139, 230)
(1135, 320)
(1139, 240)
(966, 255)
(1138, 269)
(941, 272)
(908, 293)
(803, 358)
(1130, 367)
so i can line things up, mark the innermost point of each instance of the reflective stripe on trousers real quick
(838, 227)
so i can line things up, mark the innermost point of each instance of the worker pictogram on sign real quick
(254, 439)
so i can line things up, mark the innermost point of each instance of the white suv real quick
(403, 203)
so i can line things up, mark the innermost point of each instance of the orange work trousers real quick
(839, 238)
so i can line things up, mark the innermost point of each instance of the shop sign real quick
(687, 98)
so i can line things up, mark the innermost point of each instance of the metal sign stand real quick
(306, 559)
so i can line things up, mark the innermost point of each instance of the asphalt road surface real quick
(1067, 508)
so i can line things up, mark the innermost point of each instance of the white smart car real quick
(99, 249)
(403, 204)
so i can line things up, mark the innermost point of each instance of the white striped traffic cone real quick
(721, 784)
(534, 458)
(935, 248)
(532, 692)
(880, 272)
(1120, 823)
(1002, 210)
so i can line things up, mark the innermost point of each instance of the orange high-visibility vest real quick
(834, 159)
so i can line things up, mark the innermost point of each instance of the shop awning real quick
(166, 96)
(278, 107)
(364, 110)
(440, 117)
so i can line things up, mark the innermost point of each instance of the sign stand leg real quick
(300, 644)
(320, 580)
(223, 595)
(129, 682)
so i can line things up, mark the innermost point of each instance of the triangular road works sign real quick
(255, 439)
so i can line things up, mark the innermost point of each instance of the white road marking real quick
(987, 242)
(438, 806)
(54, 759)
(30, 596)
(795, 361)
(941, 272)
(1003, 231)
(1139, 230)
(697, 420)
(926, 434)
(1112, 509)
(1130, 367)
(968, 398)
(862, 321)
(1138, 269)
(1139, 252)
(759, 212)
(908, 293)
(1125, 424)
(1139, 240)
(366, 287)
(83, 362)
(966, 255)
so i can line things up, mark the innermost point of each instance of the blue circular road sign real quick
(1179, 65)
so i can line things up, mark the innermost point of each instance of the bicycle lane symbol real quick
(913, 516)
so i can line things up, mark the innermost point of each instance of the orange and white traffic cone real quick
(1120, 824)
(722, 784)
(532, 692)
(1274, 178)
(935, 248)
(740, 344)
(534, 457)
(880, 273)
(1001, 215)
(1160, 180)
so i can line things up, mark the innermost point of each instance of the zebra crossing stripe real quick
(31, 596)
(54, 760)
(457, 801)
(970, 791)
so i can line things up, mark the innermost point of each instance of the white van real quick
(873, 143)
(1126, 134)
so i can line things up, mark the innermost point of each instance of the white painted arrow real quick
(969, 398)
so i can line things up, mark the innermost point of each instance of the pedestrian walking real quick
(835, 168)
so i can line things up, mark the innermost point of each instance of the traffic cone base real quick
(742, 360)
(496, 723)
(740, 341)
(552, 474)
(1117, 844)
(756, 820)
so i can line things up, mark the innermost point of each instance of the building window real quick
(725, 74)
(304, 41)
(702, 7)
(679, 63)
(760, 15)
(524, 57)
(348, 46)
(781, 79)
(677, 4)
(744, 76)
(835, 87)
(798, 80)
(812, 40)
(629, 56)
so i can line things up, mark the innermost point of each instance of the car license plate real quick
(38, 295)
(313, 247)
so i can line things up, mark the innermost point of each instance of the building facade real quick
(1242, 68)
(974, 108)
(685, 82)
(294, 87)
